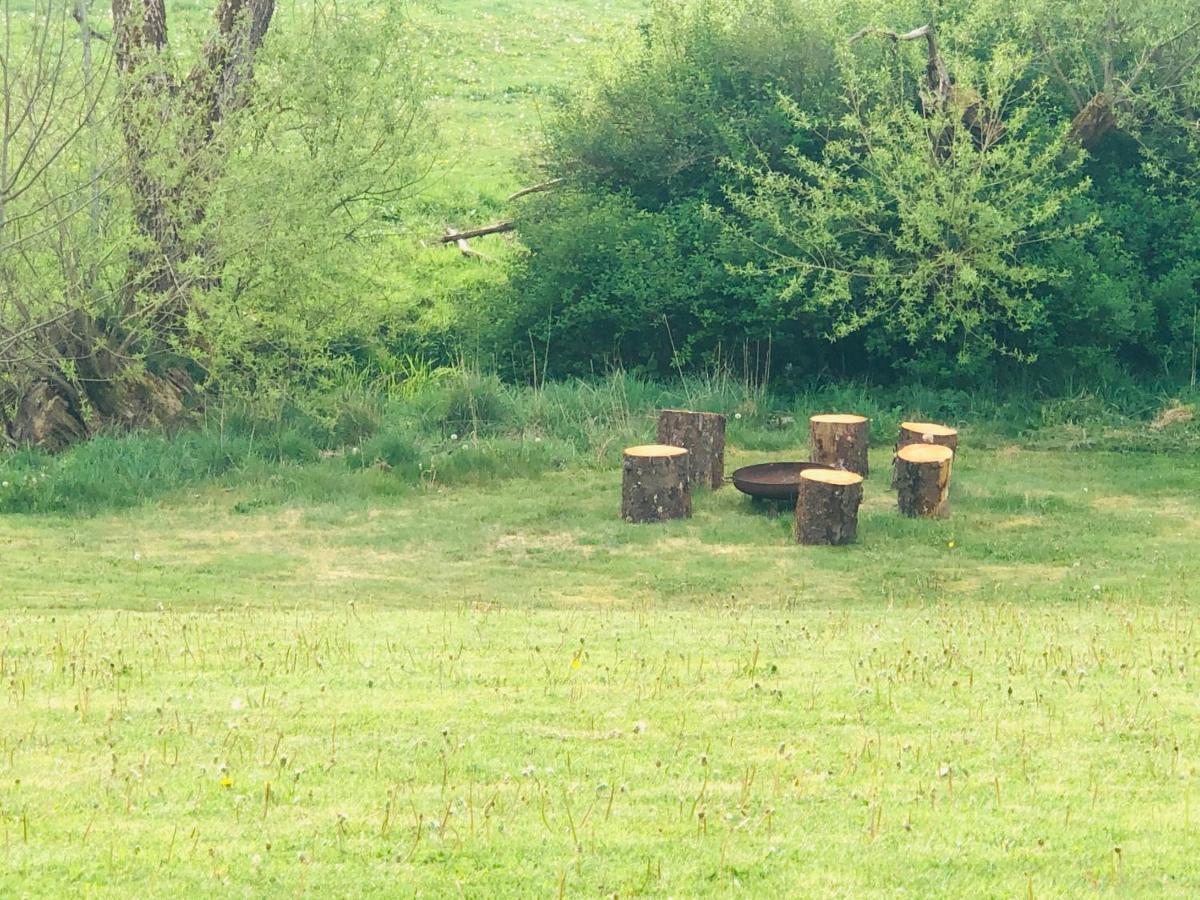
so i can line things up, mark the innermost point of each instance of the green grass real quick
(504, 690)
(231, 667)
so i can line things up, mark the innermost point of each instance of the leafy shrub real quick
(399, 451)
(740, 173)
(469, 402)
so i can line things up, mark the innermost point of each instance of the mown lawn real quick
(507, 691)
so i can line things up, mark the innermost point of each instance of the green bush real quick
(741, 175)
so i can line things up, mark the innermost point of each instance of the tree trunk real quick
(655, 486)
(924, 433)
(1094, 121)
(702, 434)
(923, 480)
(827, 507)
(48, 417)
(841, 440)
(169, 126)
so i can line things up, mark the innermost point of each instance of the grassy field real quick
(322, 682)
(506, 691)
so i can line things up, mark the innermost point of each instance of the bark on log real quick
(655, 485)
(702, 434)
(827, 507)
(924, 433)
(841, 440)
(923, 480)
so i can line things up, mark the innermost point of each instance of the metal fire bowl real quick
(773, 481)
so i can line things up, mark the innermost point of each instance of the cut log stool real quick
(655, 485)
(923, 480)
(924, 433)
(841, 440)
(827, 506)
(702, 434)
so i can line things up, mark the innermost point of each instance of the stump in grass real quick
(827, 506)
(702, 434)
(655, 484)
(924, 433)
(927, 433)
(923, 480)
(841, 440)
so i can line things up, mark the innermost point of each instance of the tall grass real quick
(459, 425)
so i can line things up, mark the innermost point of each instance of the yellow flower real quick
(950, 545)
(576, 662)
(226, 782)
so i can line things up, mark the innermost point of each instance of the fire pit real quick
(773, 481)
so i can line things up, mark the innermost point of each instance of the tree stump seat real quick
(702, 434)
(924, 433)
(927, 433)
(827, 507)
(655, 485)
(923, 480)
(841, 440)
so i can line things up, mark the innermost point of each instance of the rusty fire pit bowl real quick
(773, 481)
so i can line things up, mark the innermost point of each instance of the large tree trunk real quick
(48, 416)
(170, 181)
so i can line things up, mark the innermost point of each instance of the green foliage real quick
(628, 267)
(329, 152)
(471, 428)
(921, 246)
(742, 171)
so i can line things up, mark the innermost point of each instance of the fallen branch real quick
(921, 32)
(466, 250)
(536, 188)
(453, 237)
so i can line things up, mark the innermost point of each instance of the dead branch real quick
(536, 188)
(936, 72)
(921, 32)
(467, 250)
(453, 237)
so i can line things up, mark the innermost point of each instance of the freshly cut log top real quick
(831, 476)
(925, 453)
(839, 419)
(654, 450)
(929, 428)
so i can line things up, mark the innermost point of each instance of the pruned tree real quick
(84, 353)
(167, 221)
(1120, 63)
(51, 96)
(943, 100)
